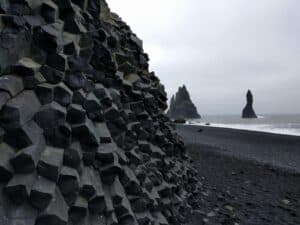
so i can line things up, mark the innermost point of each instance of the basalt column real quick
(83, 136)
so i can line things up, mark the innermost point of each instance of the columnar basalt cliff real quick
(248, 111)
(83, 135)
(181, 105)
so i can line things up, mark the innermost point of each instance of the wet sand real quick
(243, 179)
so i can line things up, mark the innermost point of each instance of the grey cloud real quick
(220, 48)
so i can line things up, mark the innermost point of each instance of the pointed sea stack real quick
(248, 111)
(181, 106)
(83, 134)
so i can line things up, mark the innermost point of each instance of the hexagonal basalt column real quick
(51, 116)
(63, 95)
(45, 93)
(56, 213)
(86, 133)
(83, 135)
(25, 160)
(18, 188)
(42, 192)
(50, 163)
(16, 111)
(6, 171)
(11, 84)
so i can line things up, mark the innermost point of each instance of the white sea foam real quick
(261, 127)
(286, 130)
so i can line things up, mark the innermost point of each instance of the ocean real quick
(279, 124)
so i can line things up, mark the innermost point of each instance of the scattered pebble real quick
(205, 193)
(237, 193)
(211, 214)
(229, 207)
(205, 220)
(285, 201)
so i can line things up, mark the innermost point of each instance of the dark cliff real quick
(181, 106)
(83, 135)
(248, 111)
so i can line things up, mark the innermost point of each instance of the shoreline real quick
(275, 150)
(242, 129)
(277, 168)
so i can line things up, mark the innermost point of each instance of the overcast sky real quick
(221, 48)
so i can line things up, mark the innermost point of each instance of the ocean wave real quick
(255, 127)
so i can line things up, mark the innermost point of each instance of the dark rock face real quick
(181, 105)
(248, 111)
(83, 135)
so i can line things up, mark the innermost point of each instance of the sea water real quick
(280, 124)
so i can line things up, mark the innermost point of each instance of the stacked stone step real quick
(83, 136)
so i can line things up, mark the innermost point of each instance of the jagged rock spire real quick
(181, 106)
(248, 111)
(172, 102)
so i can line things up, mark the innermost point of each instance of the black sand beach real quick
(248, 178)
(271, 149)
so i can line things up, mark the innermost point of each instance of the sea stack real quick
(83, 134)
(248, 111)
(181, 106)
